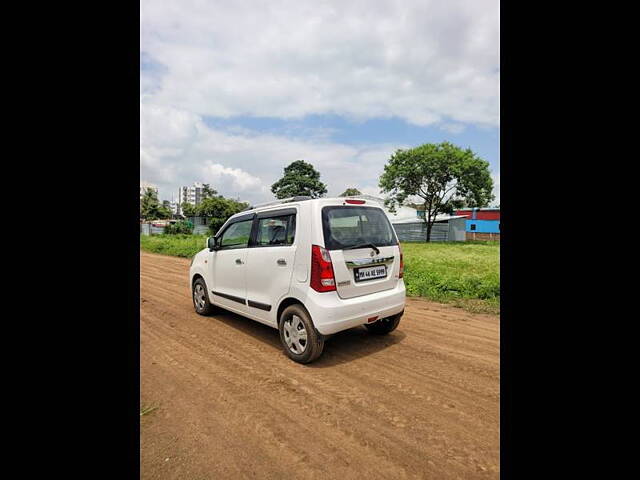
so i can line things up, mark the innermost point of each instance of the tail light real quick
(322, 277)
(401, 274)
(355, 202)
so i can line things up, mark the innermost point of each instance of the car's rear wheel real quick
(200, 298)
(385, 325)
(301, 341)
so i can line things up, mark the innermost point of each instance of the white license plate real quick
(370, 273)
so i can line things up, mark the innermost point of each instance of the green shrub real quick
(215, 224)
(182, 227)
(178, 245)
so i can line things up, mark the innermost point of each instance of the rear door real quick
(365, 269)
(270, 261)
(229, 265)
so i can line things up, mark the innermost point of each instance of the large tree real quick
(300, 178)
(188, 210)
(218, 209)
(350, 191)
(150, 207)
(441, 175)
(207, 191)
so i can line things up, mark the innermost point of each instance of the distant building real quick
(189, 194)
(174, 206)
(482, 223)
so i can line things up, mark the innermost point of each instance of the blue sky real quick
(483, 141)
(341, 86)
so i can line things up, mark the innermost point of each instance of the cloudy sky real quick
(232, 92)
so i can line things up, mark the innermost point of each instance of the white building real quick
(175, 206)
(189, 194)
(402, 213)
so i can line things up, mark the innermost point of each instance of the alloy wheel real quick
(295, 335)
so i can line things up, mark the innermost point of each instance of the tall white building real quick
(192, 195)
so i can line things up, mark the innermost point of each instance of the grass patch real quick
(146, 410)
(175, 245)
(465, 274)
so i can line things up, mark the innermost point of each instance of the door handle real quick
(282, 261)
(239, 262)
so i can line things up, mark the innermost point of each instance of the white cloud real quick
(375, 191)
(178, 148)
(428, 62)
(425, 61)
(454, 128)
(240, 179)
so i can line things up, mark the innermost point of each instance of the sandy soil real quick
(422, 402)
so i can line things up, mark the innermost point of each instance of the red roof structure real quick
(480, 213)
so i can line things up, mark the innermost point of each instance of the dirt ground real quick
(422, 402)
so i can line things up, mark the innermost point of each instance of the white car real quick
(308, 267)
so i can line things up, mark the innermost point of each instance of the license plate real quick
(370, 273)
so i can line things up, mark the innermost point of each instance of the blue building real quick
(482, 220)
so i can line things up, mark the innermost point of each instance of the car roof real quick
(324, 201)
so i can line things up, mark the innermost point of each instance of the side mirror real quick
(211, 243)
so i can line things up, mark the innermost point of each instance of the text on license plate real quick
(369, 273)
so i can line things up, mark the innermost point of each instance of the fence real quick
(149, 229)
(417, 232)
(200, 227)
(451, 230)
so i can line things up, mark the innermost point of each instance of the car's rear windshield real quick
(350, 226)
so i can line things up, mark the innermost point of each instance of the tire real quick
(200, 298)
(302, 349)
(385, 325)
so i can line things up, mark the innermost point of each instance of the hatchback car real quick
(307, 267)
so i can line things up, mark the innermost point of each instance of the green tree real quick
(165, 209)
(218, 209)
(182, 227)
(300, 178)
(150, 208)
(441, 175)
(164, 212)
(350, 191)
(188, 210)
(207, 191)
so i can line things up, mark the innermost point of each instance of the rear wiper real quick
(363, 245)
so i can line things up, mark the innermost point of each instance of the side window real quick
(473, 226)
(237, 235)
(274, 231)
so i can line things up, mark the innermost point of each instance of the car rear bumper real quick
(331, 314)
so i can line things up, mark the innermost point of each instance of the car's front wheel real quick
(200, 298)
(301, 342)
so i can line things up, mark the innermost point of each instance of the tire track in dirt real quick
(422, 402)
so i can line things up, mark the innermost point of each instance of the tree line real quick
(437, 178)
(215, 207)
